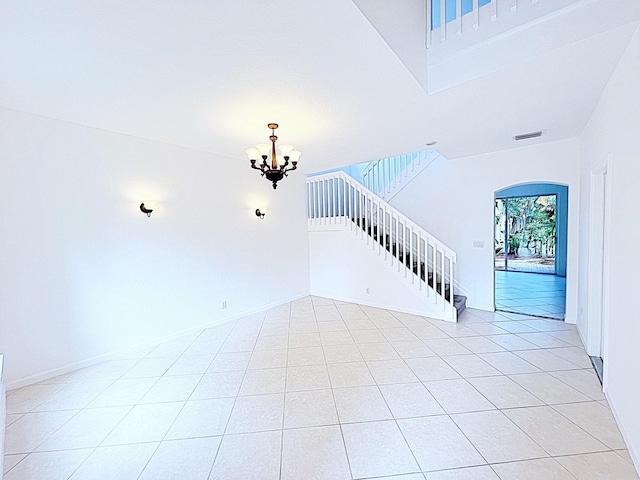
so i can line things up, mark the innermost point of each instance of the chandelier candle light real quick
(278, 169)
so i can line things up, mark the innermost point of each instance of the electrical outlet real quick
(478, 244)
(367, 290)
(224, 304)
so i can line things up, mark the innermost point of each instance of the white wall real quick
(614, 130)
(454, 200)
(343, 266)
(3, 414)
(83, 272)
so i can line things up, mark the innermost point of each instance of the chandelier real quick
(279, 158)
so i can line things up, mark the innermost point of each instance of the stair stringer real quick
(341, 268)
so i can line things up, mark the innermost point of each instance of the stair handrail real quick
(337, 199)
(377, 199)
(380, 175)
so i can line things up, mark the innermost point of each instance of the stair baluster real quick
(426, 263)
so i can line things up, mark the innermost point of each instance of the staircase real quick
(388, 176)
(412, 255)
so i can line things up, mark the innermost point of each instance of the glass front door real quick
(525, 234)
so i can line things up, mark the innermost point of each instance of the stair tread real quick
(397, 250)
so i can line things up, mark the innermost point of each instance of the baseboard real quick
(632, 453)
(404, 281)
(379, 305)
(596, 362)
(484, 308)
(54, 372)
(583, 339)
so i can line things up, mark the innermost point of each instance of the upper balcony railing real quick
(444, 16)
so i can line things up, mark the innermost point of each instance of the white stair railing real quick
(336, 200)
(443, 27)
(387, 176)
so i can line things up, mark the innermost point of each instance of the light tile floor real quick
(318, 389)
(530, 294)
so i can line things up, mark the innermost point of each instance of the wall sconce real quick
(146, 210)
(259, 214)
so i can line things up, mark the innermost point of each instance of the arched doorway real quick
(530, 259)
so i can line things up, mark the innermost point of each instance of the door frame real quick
(562, 221)
(598, 295)
(562, 214)
(506, 230)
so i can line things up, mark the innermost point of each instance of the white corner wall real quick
(614, 131)
(454, 200)
(84, 273)
(344, 267)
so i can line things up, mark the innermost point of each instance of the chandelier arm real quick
(274, 159)
(273, 172)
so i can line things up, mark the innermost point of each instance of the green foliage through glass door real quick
(525, 234)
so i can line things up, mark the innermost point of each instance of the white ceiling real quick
(209, 75)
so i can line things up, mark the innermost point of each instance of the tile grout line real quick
(284, 397)
(393, 417)
(379, 325)
(335, 404)
(184, 403)
(215, 458)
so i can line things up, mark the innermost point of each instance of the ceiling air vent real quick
(524, 136)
